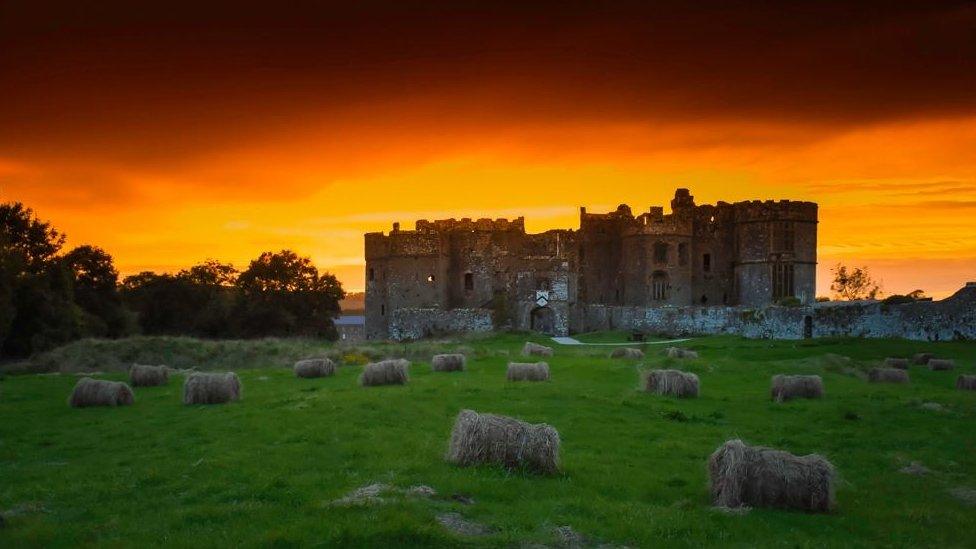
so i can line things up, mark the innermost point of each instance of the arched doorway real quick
(541, 319)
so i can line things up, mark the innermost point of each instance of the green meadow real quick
(267, 470)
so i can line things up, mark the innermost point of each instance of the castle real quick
(470, 275)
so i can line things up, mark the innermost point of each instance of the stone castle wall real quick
(953, 318)
(714, 255)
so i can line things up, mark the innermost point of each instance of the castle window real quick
(784, 236)
(468, 281)
(782, 280)
(682, 254)
(382, 310)
(372, 274)
(660, 252)
(430, 278)
(659, 286)
(707, 263)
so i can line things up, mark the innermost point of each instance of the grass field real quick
(265, 470)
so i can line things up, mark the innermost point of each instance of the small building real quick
(351, 327)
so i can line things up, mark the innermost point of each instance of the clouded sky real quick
(172, 133)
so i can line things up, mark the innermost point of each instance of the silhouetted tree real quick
(283, 294)
(37, 309)
(211, 273)
(853, 284)
(163, 303)
(96, 291)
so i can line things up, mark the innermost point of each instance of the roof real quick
(350, 320)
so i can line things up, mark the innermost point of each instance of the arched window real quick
(660, 288)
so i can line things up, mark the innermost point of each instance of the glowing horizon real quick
(170, 143)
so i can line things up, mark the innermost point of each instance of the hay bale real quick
(900, 363)
(678, 352)
(100, 392)
(627, 352)
(211, 388)
(521, 371)
(385, 372)
(941, 364)
(788, 387)
(887, 375)
(142, 375)
(966, 383)
(534, 349)
(448, 363)
(922, 359)
(756, 476)
(671, 382)
(315, 367)
(479, 439)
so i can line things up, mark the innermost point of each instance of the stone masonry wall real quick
(417, 323)
(950, 319)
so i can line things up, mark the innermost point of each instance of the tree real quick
(283, 294)
(96, 291)
(26, 238)
(211, 273)
(853, 284)
(37, 307)
(163, 303)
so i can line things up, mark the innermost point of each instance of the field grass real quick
(265, 470)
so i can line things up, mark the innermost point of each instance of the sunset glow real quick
(254, 146)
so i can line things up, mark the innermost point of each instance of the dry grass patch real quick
(532, 371)
(788, 387)
(488, 439)
(671, 382)
(756, 476)
(211, 388)
(100, 392)
(386, 372)
(142, 375)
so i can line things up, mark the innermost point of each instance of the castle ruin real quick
(475, 275)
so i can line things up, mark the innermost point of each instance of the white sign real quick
(542, 297)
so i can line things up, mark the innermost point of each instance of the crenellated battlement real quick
(468, 224)
(769, 210)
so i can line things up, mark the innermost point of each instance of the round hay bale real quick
(479, 439)
(966, 383)
(887, 375)
(315, 367)
(678, 352)
(211, 388)
(942, 364)
(142, 375)
(922, 359)
(671, 382)
(534, 349)
(448, 363)
(100, 392)
(385, 372)
(900, 363)
(788, 387)
(757, 476)
(521, 371)
(627, 352)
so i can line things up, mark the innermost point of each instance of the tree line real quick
(49, 296)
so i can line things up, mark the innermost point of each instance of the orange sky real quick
(168, 140)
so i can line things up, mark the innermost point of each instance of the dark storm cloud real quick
(172, 80)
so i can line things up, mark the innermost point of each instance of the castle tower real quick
(776, 252)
